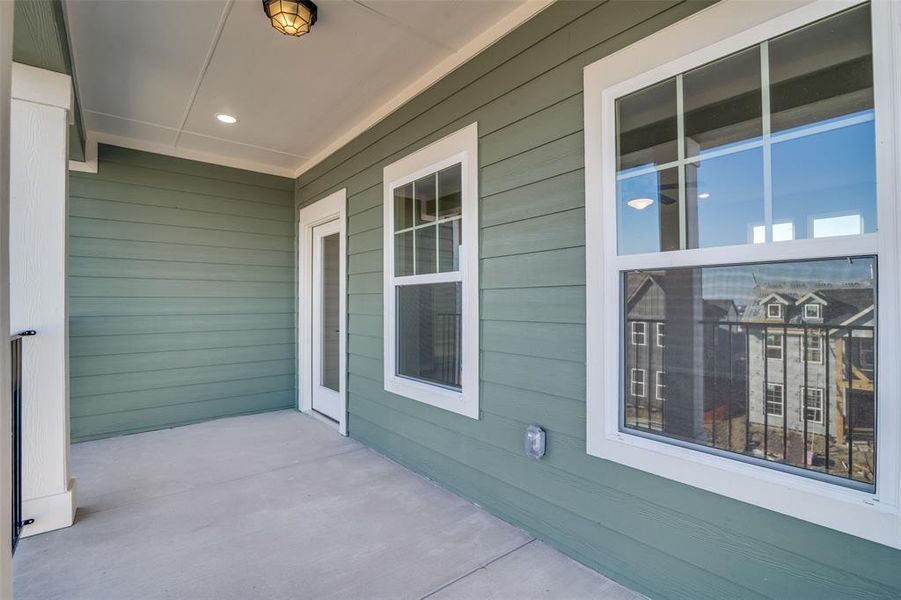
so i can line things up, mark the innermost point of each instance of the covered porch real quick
(278, 505)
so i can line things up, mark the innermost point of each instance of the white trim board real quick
(717, 31)
(332, 207)
(460, 147)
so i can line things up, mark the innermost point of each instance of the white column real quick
(41, 102)
(6, 53)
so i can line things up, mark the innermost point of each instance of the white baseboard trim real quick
(50, 512)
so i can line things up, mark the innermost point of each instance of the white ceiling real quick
(152, 74)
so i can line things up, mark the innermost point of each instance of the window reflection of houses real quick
(802, 389)
(766, 378)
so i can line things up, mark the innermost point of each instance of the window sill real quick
(466, 404)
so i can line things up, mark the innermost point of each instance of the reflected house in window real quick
(760, 360)
(818, 328)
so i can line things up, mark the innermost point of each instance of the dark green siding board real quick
(555, 194)
(131, 344)
(83, 187)
(149, 251)
(544, 304)
(109, 424)
(87, 385)
(182, 293)
(537, 269)
(178, 234)
(81, 266)
(545, 340)
(659, 537)
(170, 164)
(100, 404)
(91, 208)
(366, 241)
(170, 180)
(549, 232)
(177, 359)
(365, 262)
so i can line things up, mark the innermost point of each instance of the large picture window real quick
(431, 285)
(735, 198)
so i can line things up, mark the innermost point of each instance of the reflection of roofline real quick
(778, 297)
(819, 298)
(859, 315)
(648, 278)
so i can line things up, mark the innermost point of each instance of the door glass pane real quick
(429, 333)
(331, 286)
(722, 103)
(735, 370)
(646, 127)
(648, 212)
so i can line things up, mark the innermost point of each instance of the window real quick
(775, 400)
(431, 274)
(812, 311)
(660, 335)
(719, 184)
(639, 333)
(661, 386)
(813, 404)
(812, 346)
(637, 383)
(775, 346)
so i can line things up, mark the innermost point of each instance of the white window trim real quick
(642, 335)
(804, 406)
(660, 335)
(710, 34)
(658, 386)
(459, 147)
(642, 381)
(822, 347)
(766, 400)
(769, 312)
(817, 313)
(768, 346)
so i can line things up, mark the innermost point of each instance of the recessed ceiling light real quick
(228, 119)
(640, 203)
(704, 195)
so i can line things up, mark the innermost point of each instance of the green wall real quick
(661, 538)
(181, 293)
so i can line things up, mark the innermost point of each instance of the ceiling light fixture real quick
(227, 119)
(291, 17)
(640, 203)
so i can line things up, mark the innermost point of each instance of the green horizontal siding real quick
(659, 537)
(181, 293)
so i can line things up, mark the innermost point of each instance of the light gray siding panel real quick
(659, 537)
(181, 293)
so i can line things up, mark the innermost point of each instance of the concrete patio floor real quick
(278, 505)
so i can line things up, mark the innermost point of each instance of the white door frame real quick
(330, 208)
